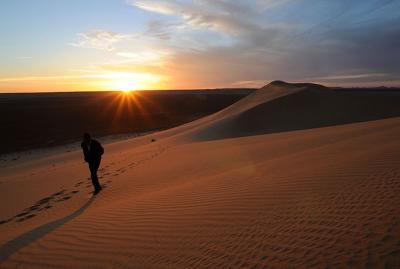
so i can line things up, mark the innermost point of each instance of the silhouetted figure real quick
(92, 151)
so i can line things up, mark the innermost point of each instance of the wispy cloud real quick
(40, 78)
(150, 57)
(24, 57)
(160, 29)
(290, 40)
(219, 16)
(250, 83)
(354, 76)
(101, 75)
(100, 39)
(163, 7)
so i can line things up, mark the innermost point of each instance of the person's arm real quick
(85, 153)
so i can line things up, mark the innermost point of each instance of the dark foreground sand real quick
(236, 189)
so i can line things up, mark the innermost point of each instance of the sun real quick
(126, 85)
(128, 82)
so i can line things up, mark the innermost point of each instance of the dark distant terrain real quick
(38, 120)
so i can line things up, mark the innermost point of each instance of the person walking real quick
(92, 151)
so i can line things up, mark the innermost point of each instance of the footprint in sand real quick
(63, 199)
(44, 200)
(40, 205)
(33, 208)
(5, 221)
(22, 214)
(78, 184)
(25, 218)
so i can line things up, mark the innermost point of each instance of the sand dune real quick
(277, 180)
(298, 107)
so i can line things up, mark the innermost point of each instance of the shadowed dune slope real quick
(280, 107)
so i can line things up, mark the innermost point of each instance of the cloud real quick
(24, 57)
(249, 83)
(160, 29)
(99, 39)
(144, 56)
(162, 7)
(354, 76)
(218, 15)
(214, 43)
(40, 78)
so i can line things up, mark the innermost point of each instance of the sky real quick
(76, 45)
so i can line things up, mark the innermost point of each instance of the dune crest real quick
(282, 107)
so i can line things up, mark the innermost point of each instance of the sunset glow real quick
(126, 45)
(130, 81)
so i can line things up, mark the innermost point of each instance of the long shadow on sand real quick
(25, 239)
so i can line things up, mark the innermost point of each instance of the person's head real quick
(86, 137)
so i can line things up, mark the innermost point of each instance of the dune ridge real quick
(281, 107)
(220, 193)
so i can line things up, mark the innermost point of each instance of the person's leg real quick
(94, 166)
(98, 186)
